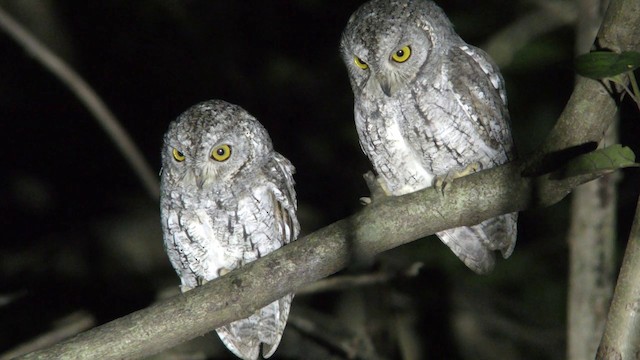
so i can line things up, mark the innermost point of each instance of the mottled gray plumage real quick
(428, 106)
(227, 198)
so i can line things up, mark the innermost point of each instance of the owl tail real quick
(474, 245)
(265, 326)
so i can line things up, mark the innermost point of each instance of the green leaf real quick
(602, 64)
(602, 160)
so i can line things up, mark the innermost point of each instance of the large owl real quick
(428, 107)
(227, 198)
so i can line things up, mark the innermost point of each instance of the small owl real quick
(227, 198)
(428, 107)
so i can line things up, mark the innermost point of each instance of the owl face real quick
(386, 44)
(211, 144)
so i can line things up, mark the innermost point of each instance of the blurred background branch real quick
(621, 339)
(592, 230)
(545, 17)
(89, 98)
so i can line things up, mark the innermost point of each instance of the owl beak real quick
(386, 87)
(200, 178)
(204, 176)
(200, 181)
(385, 84)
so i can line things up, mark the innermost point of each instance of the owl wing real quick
(479, 90)
(266, 325)
(473, 80)
(285, 198)
(186, 234)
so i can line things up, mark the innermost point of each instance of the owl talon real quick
(376, 188)
(223, 271)
(201, 281)
(441, 182)
(470, 169)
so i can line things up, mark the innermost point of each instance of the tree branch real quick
(376, 228)
(344, 282)
(383, 225)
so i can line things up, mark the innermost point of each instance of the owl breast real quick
(209, 237)
(398, 165)
(419, 133)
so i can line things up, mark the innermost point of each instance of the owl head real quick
(387, 43)
(213, 144)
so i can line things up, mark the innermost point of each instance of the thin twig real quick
(351, 281)
(87, 96)
(628, 90)
(333, 333)
(6, 299)
(344, 282)
(635, 95)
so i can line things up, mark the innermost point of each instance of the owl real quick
(227, 198)
(428, 107)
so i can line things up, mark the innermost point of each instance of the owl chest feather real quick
(211, 235)
(417, 134)
(401, 168)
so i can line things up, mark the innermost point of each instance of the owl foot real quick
(441, 182)
(185, 288)
(223, 271)
(376, 188)
(201, 281)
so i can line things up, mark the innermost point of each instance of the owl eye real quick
(359, 63)
(178, 155)
(221, 152)
(402, 55)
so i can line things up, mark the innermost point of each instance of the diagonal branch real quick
(378, 227)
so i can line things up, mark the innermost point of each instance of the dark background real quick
(80, 233)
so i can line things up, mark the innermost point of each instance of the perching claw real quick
(376, 188)
(441, 182)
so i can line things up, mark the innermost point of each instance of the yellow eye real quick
(178, 155)
(221, 152)
(359, 63)
(402, 55)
